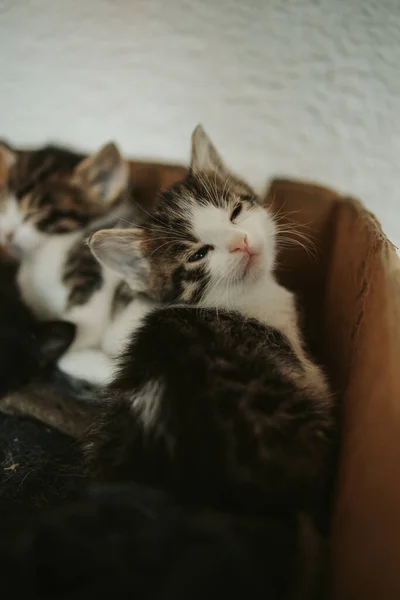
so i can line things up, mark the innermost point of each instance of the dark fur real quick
(33, 166)
(232, 429)
(35, 461)
(27, 346)
(115, 541)
(124, 542)
(136, 543)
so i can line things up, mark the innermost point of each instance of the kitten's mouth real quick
(250, 262)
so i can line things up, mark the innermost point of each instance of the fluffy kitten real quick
(216, 398)
(112, 540)
(54, 200)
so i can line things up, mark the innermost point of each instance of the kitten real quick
(54, 200)
(216, 398)
(113, 540)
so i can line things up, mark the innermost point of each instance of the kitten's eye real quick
(201, 253)
(236, 212)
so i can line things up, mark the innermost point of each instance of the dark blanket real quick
(39, 466)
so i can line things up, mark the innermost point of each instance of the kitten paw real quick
(93, 366)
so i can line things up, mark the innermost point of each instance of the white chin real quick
(252, 268)
(252, 273)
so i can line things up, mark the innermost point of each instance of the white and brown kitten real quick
(216, 398)
(54, 200)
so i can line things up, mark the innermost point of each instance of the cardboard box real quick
(351, 296)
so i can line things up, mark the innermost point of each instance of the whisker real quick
(286, 242)
(161, 246)
(308, 239)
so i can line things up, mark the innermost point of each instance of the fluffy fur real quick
(113, 540)
(216, 398)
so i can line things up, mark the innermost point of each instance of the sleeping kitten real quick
(54, 200)
(216, 398)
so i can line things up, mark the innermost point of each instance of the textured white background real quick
(307, 88)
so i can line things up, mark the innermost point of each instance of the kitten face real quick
(209, 233)
(53, 192)
(51, 208)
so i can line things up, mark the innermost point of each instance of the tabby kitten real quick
(53, 200)
(216, 398)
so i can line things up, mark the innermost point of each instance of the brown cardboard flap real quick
(351, 297)
(308, 211)
(363, 325)
(150, 178)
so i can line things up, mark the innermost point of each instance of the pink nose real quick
(239, 244)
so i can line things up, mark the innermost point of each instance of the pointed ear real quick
(54, 339)
(7, 158)
(204, 155)
(121, 251)
(105, 174)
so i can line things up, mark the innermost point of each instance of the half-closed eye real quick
(200, 254)
(236, 212)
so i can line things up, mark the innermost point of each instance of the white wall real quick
(308, 88)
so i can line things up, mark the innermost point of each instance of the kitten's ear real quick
(105, 174)
(54, 339)
(7, 159)
(121, 251)
(204, 155)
